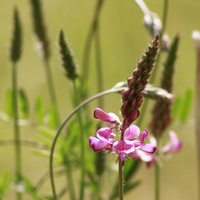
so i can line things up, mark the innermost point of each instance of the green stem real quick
(121, 190)
(51, 90)
(16, 129)
(157, 181)
(62, 126)
(82, 150)
(89, 39)
(164, 19)
(99, 67)
(69, 179)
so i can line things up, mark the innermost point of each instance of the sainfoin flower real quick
(105, 139)
(174, 145)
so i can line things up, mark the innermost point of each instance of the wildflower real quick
(174, 145)
(105, 138)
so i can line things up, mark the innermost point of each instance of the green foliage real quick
(16, 43)
(40, 110)
(187, 102)
(4, 184)
(9, 106)
(23, 103)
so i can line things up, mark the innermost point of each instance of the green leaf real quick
(40, 110)
(53, 120)
(47, 132)
(23, 103)
(9, 107)
(4, 117)
(176, 107)
(187, 101)
(4, 183)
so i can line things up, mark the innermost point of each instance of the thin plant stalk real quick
(82, 156)
(157, 181)
(70, 179)
(89, 39)
(51, 89)
(16, 129)
(120, 172)
(99, 66)
(62, 126)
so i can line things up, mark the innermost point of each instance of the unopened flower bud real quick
(131, 82)
(134, 114)
(125, 94)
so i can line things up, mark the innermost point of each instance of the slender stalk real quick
(62, 126)
(16, 129)
(89, 39)
(99, 67)
(69, 179)
(51, 89)
(121, 190)
(198, 112)
(82, 156)
(157, 181)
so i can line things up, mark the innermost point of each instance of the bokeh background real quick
(123, 39)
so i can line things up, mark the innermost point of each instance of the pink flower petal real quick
(123, 146)
(173, 145)
(144, 135)
(148, 148)
(132, 132)
(103, 116)
(105, 133)
(98, 145)
(122, 157)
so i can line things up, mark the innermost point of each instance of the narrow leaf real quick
(9, 110)
(186, 105)
(40, 110)
(23, 103)
(176, 107)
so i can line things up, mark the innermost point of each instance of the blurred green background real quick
(123, 39)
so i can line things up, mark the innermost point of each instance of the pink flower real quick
(103, 141)
(174, 145)
(111, 119)
(122, 148)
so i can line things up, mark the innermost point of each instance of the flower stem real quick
(121, 192)
(157, 181)
(89, 39)
(62, 126)
(51, 89)
(16, 129)
(82, 149)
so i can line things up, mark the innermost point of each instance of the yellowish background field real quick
(123, 39)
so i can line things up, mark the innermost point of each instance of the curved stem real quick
(89, 39)
(62, 126)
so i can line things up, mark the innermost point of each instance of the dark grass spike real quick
(39, 27)
(16, 42)
(67, 57)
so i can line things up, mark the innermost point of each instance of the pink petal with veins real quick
(132, 132)
(98, 145)
(123, 146)
(173, 145)
(103, 116)
(144, 135)
(105, 133)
